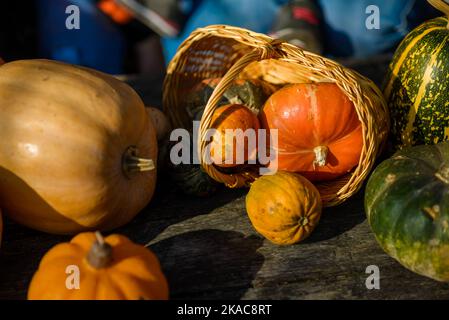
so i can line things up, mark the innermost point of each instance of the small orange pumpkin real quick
(225, 149)
(285, 207)
(320, 135)
(113, 268)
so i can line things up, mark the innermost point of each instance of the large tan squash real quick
(73, 148)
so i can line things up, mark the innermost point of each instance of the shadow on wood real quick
(170, 207)
(209, 264)
(340, 219)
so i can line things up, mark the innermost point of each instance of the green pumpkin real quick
(191, 179)
(251, 93)
(417, 85)
(407, 205)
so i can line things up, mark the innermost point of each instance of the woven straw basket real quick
(230, 53)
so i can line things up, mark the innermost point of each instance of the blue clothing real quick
(98, 43)
(344, 28)
(256, 15)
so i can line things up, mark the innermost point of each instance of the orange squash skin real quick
(285, 207)
(134, 272)
(232, 116)
(310, 118)
(65, 131)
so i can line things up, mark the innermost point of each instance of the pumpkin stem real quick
(441, 5)
(132, 163)
(100, 254)
(443, 174)
(320, 156)
(433, 212)
(303, 221)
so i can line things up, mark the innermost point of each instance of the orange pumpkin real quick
(320, 135)
(284, 207)
(225, 148)
(92, 268)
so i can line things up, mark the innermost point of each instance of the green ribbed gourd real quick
(252, 93)
(417, 84)
(407, 205)
(191, 179)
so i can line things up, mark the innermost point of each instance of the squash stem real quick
(443, 174)
(320, 156)
(433, 212)
(100, 254)
(442, 6)
(132, 163)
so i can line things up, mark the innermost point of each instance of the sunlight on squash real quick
(78, 151)
(320, 135)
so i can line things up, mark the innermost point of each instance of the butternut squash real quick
(78, 151)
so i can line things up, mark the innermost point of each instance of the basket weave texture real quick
(231, 53)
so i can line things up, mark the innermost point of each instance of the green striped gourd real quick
(417, 85)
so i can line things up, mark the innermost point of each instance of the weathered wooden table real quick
(209, 250)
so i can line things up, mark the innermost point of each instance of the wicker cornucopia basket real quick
(230, 53)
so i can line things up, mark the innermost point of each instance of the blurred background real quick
(141, 36)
